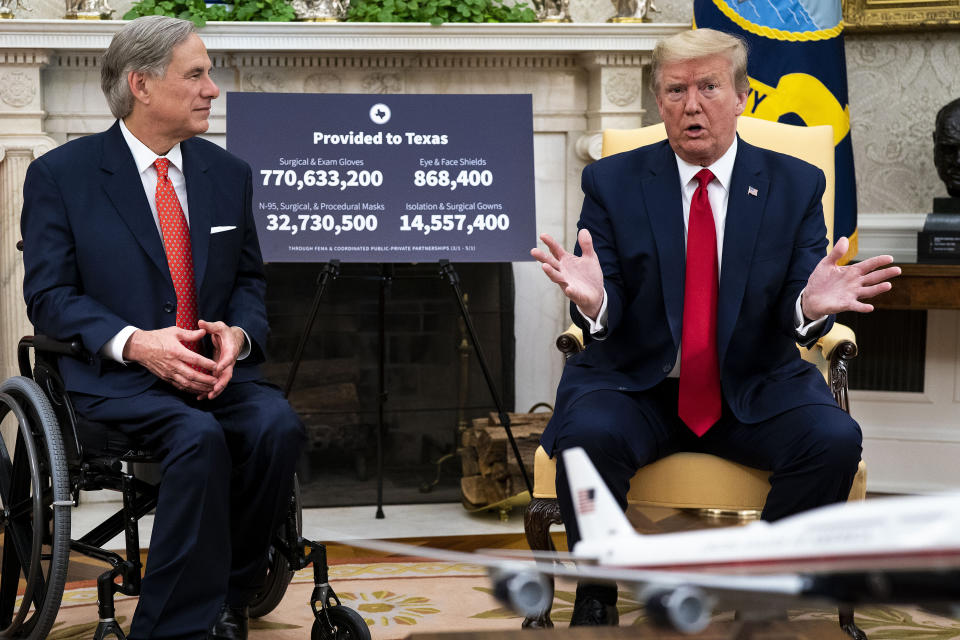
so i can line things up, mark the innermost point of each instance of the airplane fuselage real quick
(907, 533)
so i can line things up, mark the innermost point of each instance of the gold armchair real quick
(677, 481)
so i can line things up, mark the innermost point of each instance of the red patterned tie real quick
(699, 401)
(176, 242)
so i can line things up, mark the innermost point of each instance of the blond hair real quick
(701, 43)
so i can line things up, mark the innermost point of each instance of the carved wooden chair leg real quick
(539, 515)
(848, 625)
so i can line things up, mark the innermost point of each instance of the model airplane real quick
(884, 550)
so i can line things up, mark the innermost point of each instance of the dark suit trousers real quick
(812, 451)
(227, 469)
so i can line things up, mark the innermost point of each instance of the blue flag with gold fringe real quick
(798, 75)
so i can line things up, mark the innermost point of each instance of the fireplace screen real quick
(434, 384)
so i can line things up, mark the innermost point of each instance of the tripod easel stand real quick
(331, 271)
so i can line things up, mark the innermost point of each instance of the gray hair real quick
(145, 45)
(701, 43)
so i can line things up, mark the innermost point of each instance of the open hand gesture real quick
(581, 278)
(832, 288)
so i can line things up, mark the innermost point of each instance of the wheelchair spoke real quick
(23, 505)
(6, 471)
(18, 540)
(6, 464)
(40, 590)
(21, 535)
(9, 581)
(21, 509)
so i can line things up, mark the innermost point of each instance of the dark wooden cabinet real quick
(923, 286)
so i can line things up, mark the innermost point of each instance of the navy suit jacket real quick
(772, 242)
(95, 263)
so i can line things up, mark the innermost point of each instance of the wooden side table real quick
(922, 286)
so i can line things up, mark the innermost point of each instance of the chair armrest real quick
(570, 341)
(48, 346)
(837, 349)
(837, 336)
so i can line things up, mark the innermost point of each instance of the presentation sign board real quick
(388, 178)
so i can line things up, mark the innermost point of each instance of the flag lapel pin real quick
(752, 191)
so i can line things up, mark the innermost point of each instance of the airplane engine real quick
(524, 590)
(685, 609)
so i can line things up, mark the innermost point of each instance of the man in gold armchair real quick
(699, 267)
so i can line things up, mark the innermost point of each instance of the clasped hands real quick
(830, 289)
(161, 351)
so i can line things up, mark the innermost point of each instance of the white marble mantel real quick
(94, 36)
(583, 77)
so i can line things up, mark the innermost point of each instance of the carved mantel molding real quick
(66, 35)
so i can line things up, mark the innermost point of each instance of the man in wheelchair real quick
(140, 243)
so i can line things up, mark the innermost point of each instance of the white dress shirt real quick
(718, 192)
(144, 158)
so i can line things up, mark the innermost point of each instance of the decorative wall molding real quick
(17, 88)
(892, 397)
(78, 61)
(622, 88)
(65, 35)
(919, 432)
(432, 61)
(888, 15)
(25, 58)
(35, 145)
(635, 60)
(889, 233)
(589, 146)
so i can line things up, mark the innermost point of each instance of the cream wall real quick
(897, 84)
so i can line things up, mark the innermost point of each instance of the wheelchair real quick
(48, 455)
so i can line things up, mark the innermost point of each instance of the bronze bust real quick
(946, 146)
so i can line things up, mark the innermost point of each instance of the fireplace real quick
(433, 380)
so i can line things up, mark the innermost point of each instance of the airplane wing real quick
(685, 600)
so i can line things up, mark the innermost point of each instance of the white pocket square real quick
(222, 229)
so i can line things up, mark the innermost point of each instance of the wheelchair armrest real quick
(48, 346)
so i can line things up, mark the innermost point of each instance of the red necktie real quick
(176, 242)
(699, 401)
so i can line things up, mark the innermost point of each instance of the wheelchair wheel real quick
(279, 573)
(345, 624)
(35, 517)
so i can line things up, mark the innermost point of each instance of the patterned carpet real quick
(397, 598)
